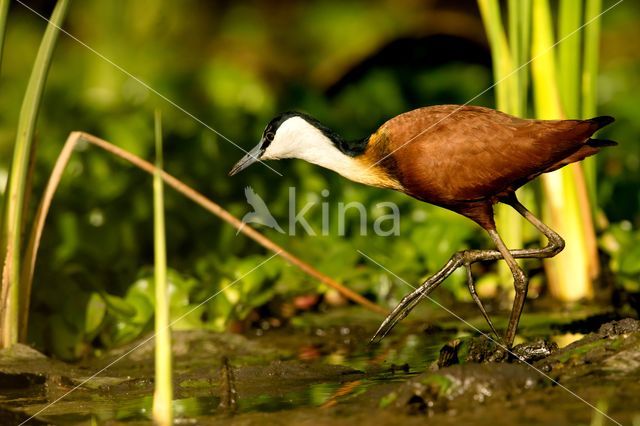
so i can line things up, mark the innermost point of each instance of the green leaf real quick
(143, 309)
(95, 313)
(65, 340)
(118, 306)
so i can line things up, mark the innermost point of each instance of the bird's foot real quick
(405, 306)
(412, 299)
(409, 302)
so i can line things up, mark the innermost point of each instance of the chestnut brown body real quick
(468, 158)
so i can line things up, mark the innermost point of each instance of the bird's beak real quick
(250, 158)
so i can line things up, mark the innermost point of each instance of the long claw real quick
(398, 314)
(409, 302)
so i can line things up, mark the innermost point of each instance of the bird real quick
(463, 158)
(260, 213)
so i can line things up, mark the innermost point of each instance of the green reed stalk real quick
(569, 273)
(13, 215)
(4, 9)
(163, 393)
(569, 56)
(500, 54)
(520, 41)
(557, 94)
(591, 56)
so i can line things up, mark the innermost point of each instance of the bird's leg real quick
(406, 305)
(520, 283)
(474, 296)
(555, 244)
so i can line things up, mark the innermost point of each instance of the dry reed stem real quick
(198, 198)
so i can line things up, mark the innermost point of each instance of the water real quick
(305, 371)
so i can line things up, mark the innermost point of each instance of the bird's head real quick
(289, 135)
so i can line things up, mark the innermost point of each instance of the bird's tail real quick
(600, 122)
(590, 146)
(601, 143)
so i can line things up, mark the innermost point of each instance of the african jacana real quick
(463, 158)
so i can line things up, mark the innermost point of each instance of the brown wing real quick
(450, 154)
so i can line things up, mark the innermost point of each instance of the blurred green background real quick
(234, 65)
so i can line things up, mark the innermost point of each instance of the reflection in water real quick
(394, 360)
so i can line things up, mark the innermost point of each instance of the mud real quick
(320, 370)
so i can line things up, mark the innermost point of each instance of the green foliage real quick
(130, 316)
(622, 243)
(95, 314)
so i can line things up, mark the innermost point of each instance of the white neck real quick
(296, 138)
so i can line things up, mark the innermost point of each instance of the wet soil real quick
(580, 367)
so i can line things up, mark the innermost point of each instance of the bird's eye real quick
(269, 136)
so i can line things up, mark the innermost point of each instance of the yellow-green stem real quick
(591, 57)
(163, 393)
(500, 54)
(569, 272)
(10, 241)
(519, 39)
(569, 56)
(4, 9)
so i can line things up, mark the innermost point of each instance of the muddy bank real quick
(321, 371)
(602, 368)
